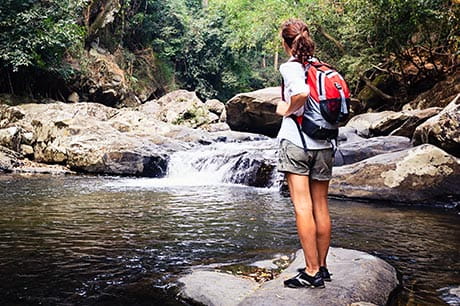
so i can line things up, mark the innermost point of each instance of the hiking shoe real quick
(304, 280)
(325, 274)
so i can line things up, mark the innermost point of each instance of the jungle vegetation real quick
(221, 47)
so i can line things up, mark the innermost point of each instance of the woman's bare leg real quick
(319, 191)
(299, 188)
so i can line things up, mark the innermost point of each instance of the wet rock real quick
(9, 159)
(255, 112)
(402, 123)
(442, 130)
(418, 174)
(357, 149)
(357, 277)
(251, 170)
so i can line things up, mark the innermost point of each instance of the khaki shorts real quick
(314, 163)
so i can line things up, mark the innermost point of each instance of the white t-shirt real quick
(294, 83)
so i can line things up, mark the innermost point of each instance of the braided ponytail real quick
(297, 37)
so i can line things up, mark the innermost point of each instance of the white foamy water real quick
(206, 166)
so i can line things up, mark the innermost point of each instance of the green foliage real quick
(221, 47)
(38, 33)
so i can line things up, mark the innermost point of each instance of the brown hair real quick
(297, 37)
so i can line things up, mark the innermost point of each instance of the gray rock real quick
(358, 148)
(363, 122)
(357, 277)
(401, 123)
(422, 173)
(11, 138)
(442, 130)
(9, 159)
(215, 106)
(184, 108)
(255, 111)
(13, 162)
(216, 127)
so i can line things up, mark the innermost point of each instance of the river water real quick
(118, 240)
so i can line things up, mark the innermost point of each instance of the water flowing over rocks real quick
(357, 277)
(442, 130)
(417, 174)
(255, 111)
(93, 138)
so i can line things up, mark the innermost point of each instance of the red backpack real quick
(327, 105)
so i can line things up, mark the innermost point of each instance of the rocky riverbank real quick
(407, 156)
(357, 278)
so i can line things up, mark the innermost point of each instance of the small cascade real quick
(249, 163)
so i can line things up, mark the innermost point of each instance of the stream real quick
(105, 240)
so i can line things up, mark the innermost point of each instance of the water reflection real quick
(104, 239)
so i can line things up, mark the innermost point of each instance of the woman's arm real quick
(297, 101)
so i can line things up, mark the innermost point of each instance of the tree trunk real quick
(375, 89)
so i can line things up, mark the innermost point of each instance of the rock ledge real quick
(357, 277)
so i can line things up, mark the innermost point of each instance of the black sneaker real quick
(325, 274)
(304, 280)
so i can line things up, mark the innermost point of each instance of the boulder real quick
(215, 106)
(442, 130)
(255, 112)
(358, 149)
(105, 81)
(9, 159)
(357, 277)
(362, 123)
(13, 162)
(184, 108)
(401, 123)
(254, 168)
(11, 138)
(423, 173)
(90, 137)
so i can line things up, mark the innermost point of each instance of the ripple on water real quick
(76, 239)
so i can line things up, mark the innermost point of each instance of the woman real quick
(308, 171)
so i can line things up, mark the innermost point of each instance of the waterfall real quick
(250, 163)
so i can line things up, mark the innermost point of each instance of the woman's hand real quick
(297, 101)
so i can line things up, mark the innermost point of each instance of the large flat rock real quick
(357, 277)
